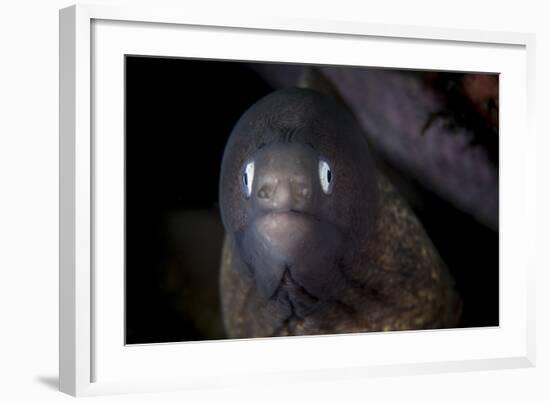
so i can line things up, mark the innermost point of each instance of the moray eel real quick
(317, 240)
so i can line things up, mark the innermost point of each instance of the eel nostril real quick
(301, 191)
(267, 190)
(279, 193)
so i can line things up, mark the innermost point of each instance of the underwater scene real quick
(270, 199)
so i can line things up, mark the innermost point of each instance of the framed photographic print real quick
(270, 200)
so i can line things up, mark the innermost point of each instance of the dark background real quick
(179, 114)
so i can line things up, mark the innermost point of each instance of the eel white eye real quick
(325, 175)
(248, 178)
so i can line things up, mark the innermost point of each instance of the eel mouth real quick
(291, 256)
(285, 232)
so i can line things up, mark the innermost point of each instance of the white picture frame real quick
(93, 357)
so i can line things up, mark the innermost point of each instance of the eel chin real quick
(292, 256)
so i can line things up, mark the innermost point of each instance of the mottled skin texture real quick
(353, 260)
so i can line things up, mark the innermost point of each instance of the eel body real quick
(317, 240)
